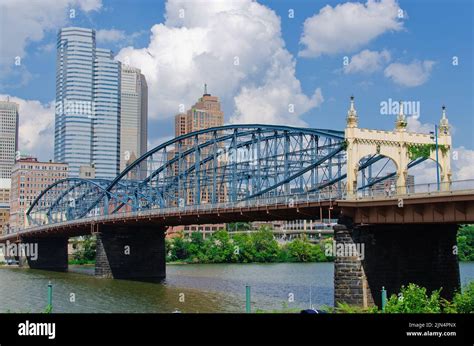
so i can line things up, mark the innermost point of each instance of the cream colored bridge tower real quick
(399, 145)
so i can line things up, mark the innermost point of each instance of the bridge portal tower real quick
(400, 145)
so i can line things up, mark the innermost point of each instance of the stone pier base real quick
(52, 254)
(392, 256)
(131, 252)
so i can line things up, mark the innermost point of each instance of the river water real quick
(188, 288)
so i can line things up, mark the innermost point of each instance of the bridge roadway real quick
(401, 239)
(422, 208)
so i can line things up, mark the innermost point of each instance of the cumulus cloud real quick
(25, 21)
(36, 132)
(109, 35)
(462, 159)
(367, 61)
(410, 75)
(462, 163)
(236, 48)
(415, 125)
(348, 26)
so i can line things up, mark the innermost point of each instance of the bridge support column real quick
(391, 256)
(131, 252)
(51, 254)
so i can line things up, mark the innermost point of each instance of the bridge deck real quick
(445, 207)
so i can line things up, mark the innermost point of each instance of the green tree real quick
(221, 248)
(180, 249)
(239, 226)
(466, 243)
(245, 247)
(265, 246)
(86, 248)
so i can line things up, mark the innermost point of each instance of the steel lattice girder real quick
(222, 164)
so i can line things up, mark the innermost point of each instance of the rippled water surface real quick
(204, 287)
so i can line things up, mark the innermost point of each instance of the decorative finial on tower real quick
(352, 115)
(401, 122)
(205, 90)
(443, 123)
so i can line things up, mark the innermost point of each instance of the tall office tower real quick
(8, 139)
(134, 116)
(203, 114)
(87, 117)
(106, 120)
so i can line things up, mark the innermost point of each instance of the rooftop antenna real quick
(205, 90)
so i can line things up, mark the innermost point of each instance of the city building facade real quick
(5, 185)
(29, 178)
(87, 114)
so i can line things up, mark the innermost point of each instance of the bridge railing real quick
(295, 199)
(385, 190)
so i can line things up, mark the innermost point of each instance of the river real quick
(188, 288)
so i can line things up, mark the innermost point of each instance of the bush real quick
(414, 299)
(464, 302)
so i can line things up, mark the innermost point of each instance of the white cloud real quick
(367, 61)
(348, 26)
(109, 35)
(25, 21)
(415, 125)
(462, 159)
(462, 166)
(235, 47)
(36, 132)
(410, 75)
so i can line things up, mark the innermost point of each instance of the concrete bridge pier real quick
(131, 252)
(391, 256)
(52, 253)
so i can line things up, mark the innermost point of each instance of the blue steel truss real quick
(223, 164)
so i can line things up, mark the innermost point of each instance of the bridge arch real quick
(66, 199)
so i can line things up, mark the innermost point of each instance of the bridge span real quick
(256, 172)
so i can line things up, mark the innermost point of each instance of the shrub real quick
(463, 302)
(414, 299)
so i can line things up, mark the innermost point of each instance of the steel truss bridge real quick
(228, 164)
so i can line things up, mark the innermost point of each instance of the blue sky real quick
(425, 41)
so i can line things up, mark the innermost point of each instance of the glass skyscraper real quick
(87, 117)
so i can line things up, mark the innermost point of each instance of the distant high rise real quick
(87, 119)
(134, 116)
(8, 138)
(203, 114)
